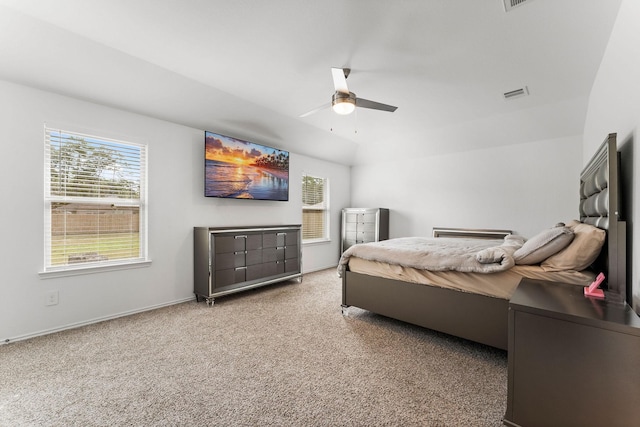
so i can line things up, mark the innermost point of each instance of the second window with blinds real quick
(315, 209)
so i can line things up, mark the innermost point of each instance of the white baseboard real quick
(115, 316)
(320, 269)
(92, 321)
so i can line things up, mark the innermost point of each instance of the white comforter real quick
(440, 254)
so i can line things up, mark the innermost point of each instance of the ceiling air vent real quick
(524, 91)
(512, 4)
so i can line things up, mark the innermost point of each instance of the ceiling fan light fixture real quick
(344, 107)
(343, 103)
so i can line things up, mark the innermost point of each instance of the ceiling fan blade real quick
(315, 110)
(339, 80)
(365, 103)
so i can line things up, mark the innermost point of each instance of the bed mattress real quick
(500, 284)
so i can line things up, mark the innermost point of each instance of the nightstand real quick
(573, 361)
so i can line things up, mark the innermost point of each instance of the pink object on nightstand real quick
(592, 290)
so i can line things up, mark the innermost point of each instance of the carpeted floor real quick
(281, 355)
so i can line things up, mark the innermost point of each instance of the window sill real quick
(315, 242)
(91, 269)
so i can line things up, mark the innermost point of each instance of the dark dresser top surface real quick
(567, 302)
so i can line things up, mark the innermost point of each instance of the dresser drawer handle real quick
(240, 237)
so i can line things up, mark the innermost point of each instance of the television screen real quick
(240, 169)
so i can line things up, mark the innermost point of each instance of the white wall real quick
(176, 204)
(525, 188)
(317, 256)
(614, 106)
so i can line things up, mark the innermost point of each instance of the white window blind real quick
(315, 208)
(95, 201)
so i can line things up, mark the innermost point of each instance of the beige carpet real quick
(281, 355)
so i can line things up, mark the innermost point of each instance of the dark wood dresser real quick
(233, 259)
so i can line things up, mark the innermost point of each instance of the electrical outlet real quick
(51, 298)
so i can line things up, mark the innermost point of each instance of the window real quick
(95, 201)
(315, 209)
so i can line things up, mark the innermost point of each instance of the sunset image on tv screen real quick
(244, 170)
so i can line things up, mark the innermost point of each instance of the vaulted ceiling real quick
(250, 68)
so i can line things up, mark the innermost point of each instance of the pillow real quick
(581, 253)
(543, 245)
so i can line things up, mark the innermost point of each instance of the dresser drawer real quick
(253, 257)
(272, 254)
(291, 265)
(273, 268)
(226, 244)
(291, 252)
(229, 277)
(366, 227)
(229, 260)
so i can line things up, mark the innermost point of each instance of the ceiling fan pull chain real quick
(355, 126)
(330, 121)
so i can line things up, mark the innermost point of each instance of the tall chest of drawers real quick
(363, 225)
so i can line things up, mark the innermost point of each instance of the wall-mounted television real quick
(239, 169)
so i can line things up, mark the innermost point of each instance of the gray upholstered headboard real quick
(599, 206)
(596, 195)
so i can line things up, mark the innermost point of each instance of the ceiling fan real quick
(343, 101)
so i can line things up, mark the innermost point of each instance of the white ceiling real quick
(251, 68)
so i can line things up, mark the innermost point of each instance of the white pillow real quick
(581, 253)
(543, 245)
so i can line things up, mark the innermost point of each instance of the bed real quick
(473, 304)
